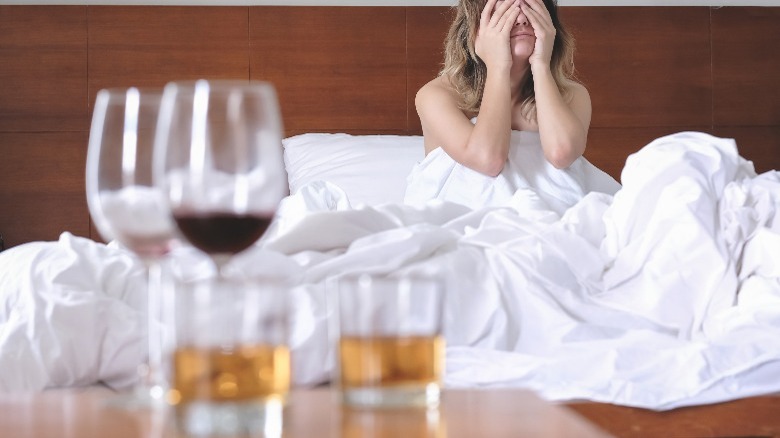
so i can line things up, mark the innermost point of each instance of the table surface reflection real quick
(317, 412)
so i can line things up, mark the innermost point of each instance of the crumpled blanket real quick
(666, 294)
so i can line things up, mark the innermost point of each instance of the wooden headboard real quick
(651, 71)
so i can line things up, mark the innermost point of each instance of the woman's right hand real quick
(495, 25)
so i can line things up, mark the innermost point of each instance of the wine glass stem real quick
(151, 372)
(220, 260)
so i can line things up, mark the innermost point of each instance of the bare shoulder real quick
(436, 92)
(577, 92)
(443, 122)
(580, 104)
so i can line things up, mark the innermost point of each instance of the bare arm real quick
(483, 146)
(563, 126)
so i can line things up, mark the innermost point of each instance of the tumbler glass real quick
(230, 364)
(391, 347)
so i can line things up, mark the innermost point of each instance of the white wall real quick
(387, 2)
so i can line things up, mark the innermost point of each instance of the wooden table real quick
(754, 417)
(85, 413)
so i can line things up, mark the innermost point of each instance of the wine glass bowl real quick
(220, 162)
(123, 202)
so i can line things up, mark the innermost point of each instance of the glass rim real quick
(112, 94)
(219, 85)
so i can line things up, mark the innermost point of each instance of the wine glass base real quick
(235, 418)
(142, 398)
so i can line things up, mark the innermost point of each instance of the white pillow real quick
(371, 169)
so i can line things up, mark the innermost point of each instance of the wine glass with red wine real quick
(220, 162)
(127, 208)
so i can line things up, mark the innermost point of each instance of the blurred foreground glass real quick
(219, 161)
(391, 347)
(126, 207)
(230, 366)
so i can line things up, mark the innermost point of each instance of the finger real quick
(511, 19)
(536, 5)
(506, 14)
(486, 13)
(532, 16)
(541, 11)
(528, 11)
(500, 12)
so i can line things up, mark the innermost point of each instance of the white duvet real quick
(665, 295)
(527, 181)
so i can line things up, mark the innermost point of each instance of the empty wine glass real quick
(127, 208)
(220, 162)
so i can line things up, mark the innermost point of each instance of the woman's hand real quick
(495, 25)
(544, 30)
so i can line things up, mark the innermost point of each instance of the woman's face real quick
(521, 37)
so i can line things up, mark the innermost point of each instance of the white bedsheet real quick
(527, 176)
(665, 295)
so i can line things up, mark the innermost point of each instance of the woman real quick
(508, 67)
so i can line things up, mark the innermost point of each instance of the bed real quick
(360, 116)
(632, 301)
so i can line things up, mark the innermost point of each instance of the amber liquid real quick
(252, 372)
(391, 361)
(221, 233)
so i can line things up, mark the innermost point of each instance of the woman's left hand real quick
(544, 31)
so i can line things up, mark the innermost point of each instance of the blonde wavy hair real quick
(467, 72)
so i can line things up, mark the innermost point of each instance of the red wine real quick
(221, 233)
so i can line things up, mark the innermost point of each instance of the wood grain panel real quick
(644, 66)
(42, 189)
(608, 148)
(426, 28)
(148, 46)
(738, 418)
(43, 73)
(746, 66)
(759, 144)
(335, 68)
(651, 71)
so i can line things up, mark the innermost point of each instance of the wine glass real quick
(220, 162)
(127, 208)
